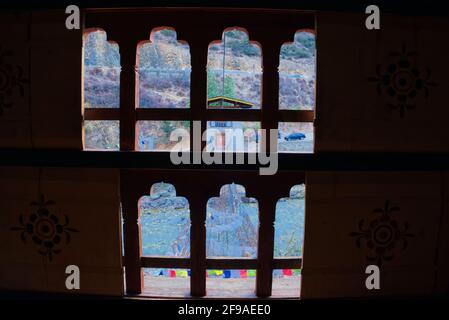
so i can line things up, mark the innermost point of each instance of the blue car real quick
(295, 136)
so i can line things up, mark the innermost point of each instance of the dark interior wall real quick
(85, 203)
(359, 96)
(360, 108)
(41, 62)
(344, 215)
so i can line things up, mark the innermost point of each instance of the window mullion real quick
(198, 96)
(271, 43)
(197, 246)
(198, 85)
(132, 239)
(270, 89)
(127, 92)
(265, 243)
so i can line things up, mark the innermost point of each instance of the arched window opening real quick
(101, 71)
(163, 66)
(297, 72)
(101, 89)
(165, 229)
(297, 76)
(232, 223)
(234, 72)
(288, 240)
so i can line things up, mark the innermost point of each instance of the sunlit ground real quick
(283, 287)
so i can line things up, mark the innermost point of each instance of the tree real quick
(215, 88)
(212, 86)
(229, 87)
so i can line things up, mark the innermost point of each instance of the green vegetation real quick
(215, 89)
(291, 52)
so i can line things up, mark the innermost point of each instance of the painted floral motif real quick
(382, 235)
(44, 228)
(402, 81)
(11, 81)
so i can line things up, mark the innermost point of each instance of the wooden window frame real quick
(135, 183)
(199, 27)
